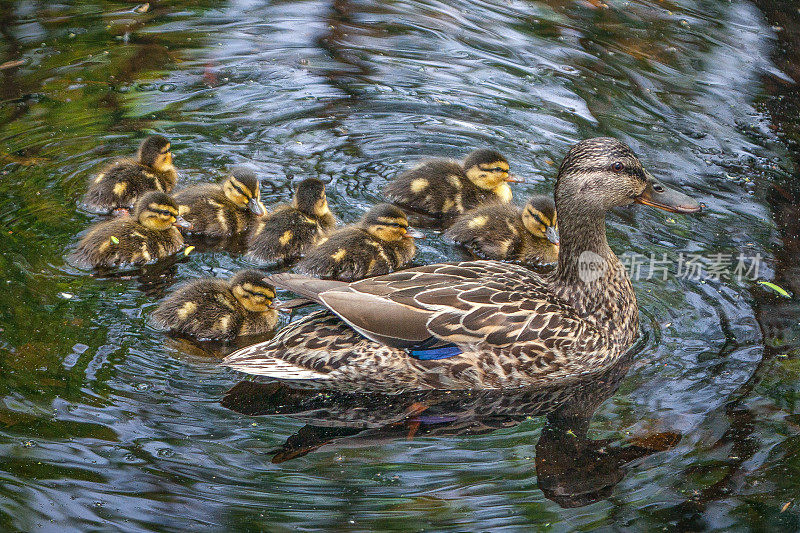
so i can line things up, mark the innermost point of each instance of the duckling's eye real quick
(617, 166)
(162, 212)
(658, 188)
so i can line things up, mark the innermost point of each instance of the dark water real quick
(106, 424)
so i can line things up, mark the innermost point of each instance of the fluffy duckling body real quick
(292, 229)
(215, 309)
(443, 188)
(120, 184)
(506, 232)
(379, 244)
(222, 210)
(147, 235)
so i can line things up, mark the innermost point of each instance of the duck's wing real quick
(464, 303)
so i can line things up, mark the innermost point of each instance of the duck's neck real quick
(589, 276)
(583, 241)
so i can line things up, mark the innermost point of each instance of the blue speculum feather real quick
(442, 352)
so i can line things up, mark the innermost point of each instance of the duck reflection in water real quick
(572, 469)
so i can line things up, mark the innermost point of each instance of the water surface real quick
(107, 424)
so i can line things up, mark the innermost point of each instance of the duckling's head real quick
(539, 218)
(249, 287)
(158, 211)
(388, 223)
(603, 173)
(488, 169)
(243, 189)
(155, 152)
(310, 198)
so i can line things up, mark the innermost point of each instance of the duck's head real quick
(310, 198)
(155, 152)
(388, 223)
(602, 173)
(488, 169)
(243, 189)
(158, 211)
(539, 218)
(255, 294)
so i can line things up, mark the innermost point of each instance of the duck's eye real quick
(617, 166)
(658, 187)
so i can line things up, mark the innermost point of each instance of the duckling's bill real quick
(415, 233)
(256, 207)
(182, 223)
(552, 234)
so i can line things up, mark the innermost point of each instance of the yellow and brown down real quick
(150, 233)
(380, 243)
(215, 309)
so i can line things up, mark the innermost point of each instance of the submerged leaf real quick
(776, 288)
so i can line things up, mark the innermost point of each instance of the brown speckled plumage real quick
(514, 327)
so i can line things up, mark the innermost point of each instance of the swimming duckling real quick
(221, 210)
(215, 309)
(505, 232)
(121, 183)
(379, 244)
(145, 236)
(292, 229)
(444, 188)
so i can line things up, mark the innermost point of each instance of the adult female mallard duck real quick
(380, 243)
(480, 324)
(215, 309)
(444, 188)
(506, 232)
(222, 210)
(147, 235)
(290, 230)
(120, 184)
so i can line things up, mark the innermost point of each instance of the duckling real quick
(379, 244)
(292, 229)
(443, 188)
(214, 309)
(504, 232)
(222, 210)
(121, 183)
(147, 235)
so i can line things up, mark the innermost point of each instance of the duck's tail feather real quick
(304, 286)
(251, 360)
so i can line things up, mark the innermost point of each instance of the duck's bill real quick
(662, 197)
(182, 223)
(255, 207)
(415, 233)
(513, 178)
